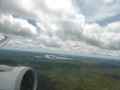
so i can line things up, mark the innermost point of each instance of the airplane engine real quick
(17, 78)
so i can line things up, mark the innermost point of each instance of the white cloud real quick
(63, 25)
(109, 1)
(104, 37)
(11, 25)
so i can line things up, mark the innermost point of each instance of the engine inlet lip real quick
(21, 76)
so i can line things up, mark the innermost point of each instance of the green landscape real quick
(69, 74)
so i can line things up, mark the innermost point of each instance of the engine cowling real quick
(17, 78)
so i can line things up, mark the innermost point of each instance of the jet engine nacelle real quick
(17, 78)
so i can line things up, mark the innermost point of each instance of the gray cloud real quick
(98, 9)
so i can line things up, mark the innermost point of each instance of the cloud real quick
(107, 37)
(66, 24)
(95, 10)
(16, 7)
(17, 26)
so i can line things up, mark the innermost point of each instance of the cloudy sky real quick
(91, 26)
